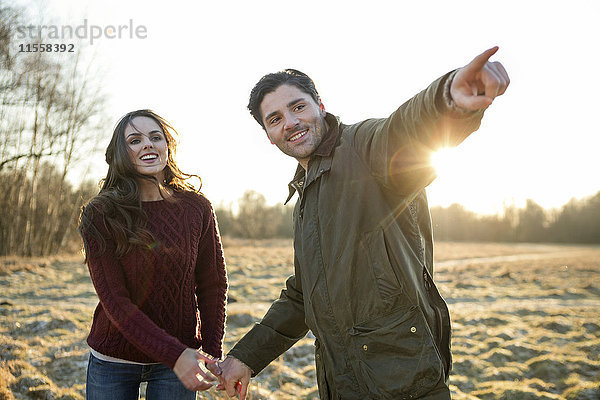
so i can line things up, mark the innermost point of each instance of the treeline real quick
(255, 219)
(49, 117)
(576, 222)
(43, 220)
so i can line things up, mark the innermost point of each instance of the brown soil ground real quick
(526, 321)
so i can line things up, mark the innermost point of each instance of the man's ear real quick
(269, 137)
(322, 108)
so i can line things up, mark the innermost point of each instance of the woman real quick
(153, 250)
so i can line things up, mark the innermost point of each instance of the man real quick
(363, 257)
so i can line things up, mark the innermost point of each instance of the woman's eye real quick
(134, 141)
(156, 138)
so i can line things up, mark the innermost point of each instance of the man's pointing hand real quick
(477, 84)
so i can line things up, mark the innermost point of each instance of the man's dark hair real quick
(270, 82)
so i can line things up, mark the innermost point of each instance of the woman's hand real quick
(190, 370)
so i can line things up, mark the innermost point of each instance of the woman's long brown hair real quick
(119, 201)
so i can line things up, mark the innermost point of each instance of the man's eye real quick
(274, 120)
(299, 107)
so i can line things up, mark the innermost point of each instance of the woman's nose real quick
(147, 143)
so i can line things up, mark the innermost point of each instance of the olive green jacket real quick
(363, 261)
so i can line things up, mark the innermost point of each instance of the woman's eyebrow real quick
(149, 133)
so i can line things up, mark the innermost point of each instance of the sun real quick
(460, 177)
(446, 161)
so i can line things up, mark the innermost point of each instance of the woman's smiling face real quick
(147, 146)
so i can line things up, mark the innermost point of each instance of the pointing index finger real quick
(479, 61)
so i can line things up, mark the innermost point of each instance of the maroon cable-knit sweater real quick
(158, 300)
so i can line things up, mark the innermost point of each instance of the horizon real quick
(233, 205)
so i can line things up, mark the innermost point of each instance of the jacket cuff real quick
(452, 109)
(260, 346)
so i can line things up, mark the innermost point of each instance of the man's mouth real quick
(298, 135)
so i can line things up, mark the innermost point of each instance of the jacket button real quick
(317, 356)
(413, 329)
(365, 347)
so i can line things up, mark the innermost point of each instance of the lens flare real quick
(445, 160)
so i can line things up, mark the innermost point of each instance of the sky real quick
(198, 61)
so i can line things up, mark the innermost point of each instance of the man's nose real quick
(290, 120)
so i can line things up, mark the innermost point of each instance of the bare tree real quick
(253, 218)
(47, 105)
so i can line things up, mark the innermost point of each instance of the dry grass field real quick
(526, 321)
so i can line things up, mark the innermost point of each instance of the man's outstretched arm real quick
(397, 149)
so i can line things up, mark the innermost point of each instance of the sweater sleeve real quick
(211, 285)
(108, 278)
(398, 149)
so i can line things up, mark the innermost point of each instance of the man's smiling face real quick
(294, 122)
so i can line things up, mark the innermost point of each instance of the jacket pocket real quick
(395, 355)
(379, 261)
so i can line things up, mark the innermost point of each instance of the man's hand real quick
(234, 377)
(214, 368)
(477, 84)
(190, 371)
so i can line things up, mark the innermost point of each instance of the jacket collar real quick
(331, 136)
(325, 149)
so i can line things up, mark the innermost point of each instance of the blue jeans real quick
(119, 381)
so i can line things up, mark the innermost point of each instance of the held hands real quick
(190, 371)
(477, 84)
(234, 377)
